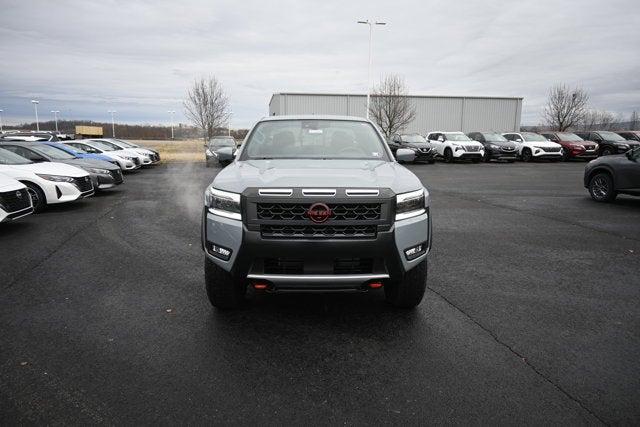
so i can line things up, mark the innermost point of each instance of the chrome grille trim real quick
(319, 192)
(275, 191)
(355, 192)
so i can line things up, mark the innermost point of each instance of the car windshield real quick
(218, 143)
(611, 136)
(566, 136)
(314, 139)
(103, 146)
(494, 137)
(54, 153)
(530, 136)
(76, 149)
(457, 137)
(413, 138)
(125, 143)
(9, 158)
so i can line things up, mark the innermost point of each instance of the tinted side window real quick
(26, 153)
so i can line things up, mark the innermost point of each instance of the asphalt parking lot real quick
(531, 314)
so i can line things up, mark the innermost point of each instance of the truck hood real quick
(316, 173)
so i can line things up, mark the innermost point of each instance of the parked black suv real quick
(496, 146)
(608, 176)
(609, 142)
(415, 142)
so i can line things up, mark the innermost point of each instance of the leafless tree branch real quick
(390, 107)
(565, 107)
(207, 106)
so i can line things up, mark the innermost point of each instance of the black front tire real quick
(565, 155)
(38, 198)
(224, 291)
(448, 155)
(408, 292)
(601, 188)
(527, 156)
(607, 151)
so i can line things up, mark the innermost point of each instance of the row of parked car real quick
(510, 146)
(38, 169)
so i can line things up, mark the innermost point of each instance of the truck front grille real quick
(298, 211)
(318, 231)
(12, 201)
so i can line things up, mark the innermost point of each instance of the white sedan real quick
(143, 154)
(48, 182)
(15, 201)
(153, 155)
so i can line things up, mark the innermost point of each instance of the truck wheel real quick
(526, 155)
(223, 290)
(408, 292)
(38, 198)
(601, 188)
(448, 155)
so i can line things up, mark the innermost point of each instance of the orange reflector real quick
(260, 286)
(375, 285)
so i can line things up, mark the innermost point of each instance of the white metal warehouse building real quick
(444, 113)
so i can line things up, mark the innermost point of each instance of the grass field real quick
(190, 150)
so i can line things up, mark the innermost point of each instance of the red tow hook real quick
(375, 285)
(260, 286)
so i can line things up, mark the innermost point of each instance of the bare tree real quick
(207, 106)
(599, 120)
(634, 121)
(565, 107)
(390, 107)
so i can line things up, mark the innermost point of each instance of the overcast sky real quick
(138, 57)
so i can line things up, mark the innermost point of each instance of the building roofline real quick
(409, 95)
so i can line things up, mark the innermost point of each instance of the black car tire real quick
(527, 156)
(38, 198)
(431, 161)
(601, 188)
(408, 292)
(224, 291)
(565, 155)
(487, 156)
(607, 151)
(448, 155)
(476, 160)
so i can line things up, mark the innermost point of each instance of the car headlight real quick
(56, 178)
(127, 158)
(208, 152)
(458, 147)
(494, 146)
(223, 203)
(97, 170)
(410, 204)
(623, 146)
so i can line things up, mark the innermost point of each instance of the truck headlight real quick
(223, 203)
(56, 178)
(410, 204)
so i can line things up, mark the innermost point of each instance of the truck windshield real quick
(314, 139)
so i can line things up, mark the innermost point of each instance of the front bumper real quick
(105, 181)
(62, 192)
(502, 155)
(541, 154)
(252, 256)
(468, 154)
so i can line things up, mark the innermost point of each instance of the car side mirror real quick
(440, 139)
(518, 139)
(405, 155)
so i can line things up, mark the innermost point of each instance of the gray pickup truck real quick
(316, 204)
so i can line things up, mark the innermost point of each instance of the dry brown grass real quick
(190, 150)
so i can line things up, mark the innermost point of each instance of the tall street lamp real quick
(171, 113)
(35, 105)
(113, 123)
(1, 111)
(55, 117)
(229, 122)
(370, 24)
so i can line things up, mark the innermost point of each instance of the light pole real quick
(55, 117)
(113, 123)
(171, 113)
(229, 122)
(1, 111)
(35, 105)
(370, 24)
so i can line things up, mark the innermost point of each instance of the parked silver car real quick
(220, 148)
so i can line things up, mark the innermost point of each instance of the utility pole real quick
(229, 122)
(171, 113)
(370, 24)
(55, 117)
(113, 123)
(35, 105)
(1, 111)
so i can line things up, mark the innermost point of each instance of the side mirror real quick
(440, 139)
(405, 155)
(518, 139)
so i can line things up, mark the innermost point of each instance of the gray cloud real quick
(138, 57)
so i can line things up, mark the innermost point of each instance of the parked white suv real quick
(532, 146)
(48, 182)
(15, 201)
(125, 160)
(455, 145)
(149, 157)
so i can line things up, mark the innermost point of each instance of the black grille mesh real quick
(298, 211)
(318, 231)
(12, 201)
